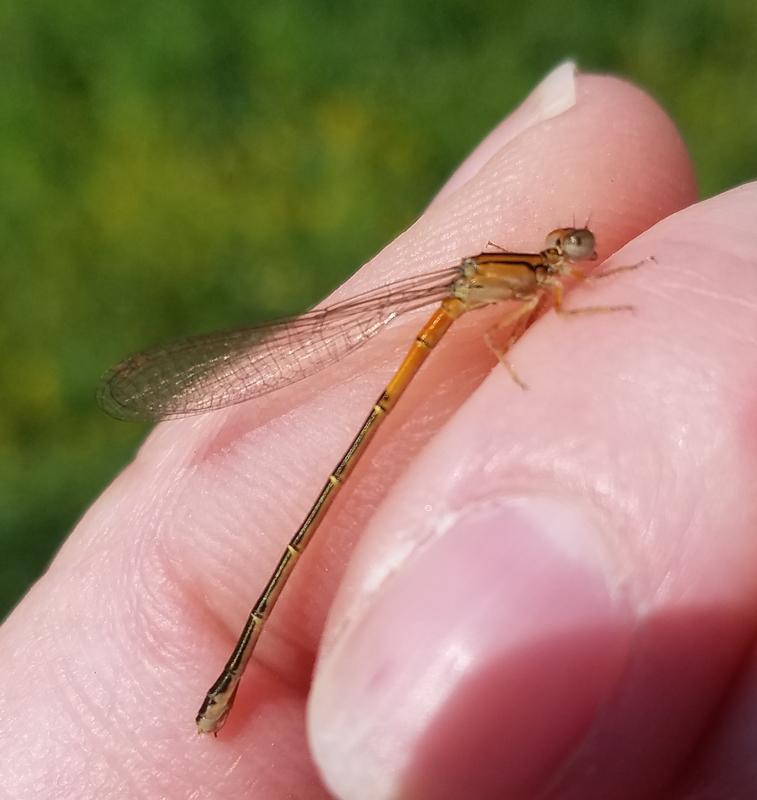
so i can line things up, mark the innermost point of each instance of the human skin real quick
(556, 600)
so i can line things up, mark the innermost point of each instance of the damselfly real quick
(211, 371)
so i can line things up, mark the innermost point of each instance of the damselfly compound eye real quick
(578, 244)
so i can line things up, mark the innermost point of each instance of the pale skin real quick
(640, 425)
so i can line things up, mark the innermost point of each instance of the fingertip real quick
(581, 146)
(479, 662)
(552, 96)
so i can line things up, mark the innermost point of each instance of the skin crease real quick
(115, 646)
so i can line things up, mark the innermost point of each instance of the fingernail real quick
(478, 666)
(555, 94)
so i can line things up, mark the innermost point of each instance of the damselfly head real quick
(576, 244)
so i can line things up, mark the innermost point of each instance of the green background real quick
(178, 165)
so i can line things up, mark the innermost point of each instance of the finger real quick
(555, 598)
(116, 646)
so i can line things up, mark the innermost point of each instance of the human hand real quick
(556, 589)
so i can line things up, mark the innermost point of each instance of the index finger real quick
(119, 641)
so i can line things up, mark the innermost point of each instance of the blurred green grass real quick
(180, 165)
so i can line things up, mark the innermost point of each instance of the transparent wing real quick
(210, 371)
